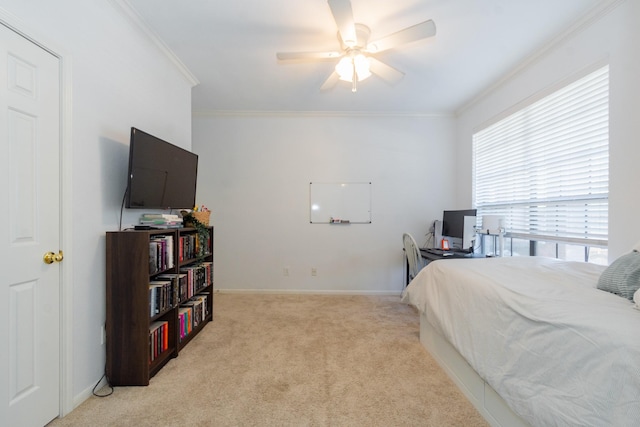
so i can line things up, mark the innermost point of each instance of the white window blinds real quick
(545, 168)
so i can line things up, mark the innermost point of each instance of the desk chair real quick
(414, 258)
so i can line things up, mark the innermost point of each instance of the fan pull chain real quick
(354, 85)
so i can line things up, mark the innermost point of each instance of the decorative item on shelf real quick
(493, 225)
(198, 218)
(202, 216)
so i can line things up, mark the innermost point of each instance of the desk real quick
(430, 256)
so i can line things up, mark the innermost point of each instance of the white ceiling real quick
(230, 47)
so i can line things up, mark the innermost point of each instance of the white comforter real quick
(558, 350)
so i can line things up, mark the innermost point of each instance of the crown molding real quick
(265, 113)
(594, 14)
(134, 17)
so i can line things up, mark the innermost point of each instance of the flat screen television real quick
(161, 175)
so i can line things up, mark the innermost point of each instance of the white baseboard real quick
(85, 394)
(307, 292)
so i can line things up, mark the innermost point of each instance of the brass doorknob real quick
(51, 257)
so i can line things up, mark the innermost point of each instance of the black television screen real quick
(161, 175)
(453, 222)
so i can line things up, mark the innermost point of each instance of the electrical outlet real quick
(314, 271)
(285, 271)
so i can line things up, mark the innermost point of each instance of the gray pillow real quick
(622, 277)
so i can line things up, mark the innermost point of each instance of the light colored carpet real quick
(294, 360)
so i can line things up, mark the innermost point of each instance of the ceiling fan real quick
(356, 55)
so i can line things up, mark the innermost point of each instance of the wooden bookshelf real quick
(133, 262)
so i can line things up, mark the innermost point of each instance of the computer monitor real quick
(458, 230)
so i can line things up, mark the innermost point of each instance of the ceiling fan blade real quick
(416, 32)
(343, 15)
(303, 56)
(330, 82)
(385, 72)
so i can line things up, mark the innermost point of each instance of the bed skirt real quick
(490, 405)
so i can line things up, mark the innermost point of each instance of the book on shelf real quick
(197, 311)
(160, 253)
(187, 247)
(192, 313)
(175, 286)
(198, 277)
(160, 296)
(158, 339)
(185, 321)
(205, 295)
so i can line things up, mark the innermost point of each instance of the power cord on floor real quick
(104, 376)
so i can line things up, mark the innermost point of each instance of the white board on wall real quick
(340, 202)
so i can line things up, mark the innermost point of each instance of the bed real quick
(532, 340)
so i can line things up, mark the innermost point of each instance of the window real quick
(545, 168)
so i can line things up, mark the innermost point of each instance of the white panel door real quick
(30, 227)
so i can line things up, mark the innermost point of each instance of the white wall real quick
(119, 79)
(615, 39)
(255, 173)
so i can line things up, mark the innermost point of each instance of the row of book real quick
(168, 290)
(192, 313)
(163, 294)
(158, 339)
(189, 246)
(198, 277)
(160, 253)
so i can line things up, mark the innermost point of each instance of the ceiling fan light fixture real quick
(362, 66)
(355, 65)
(344, 68)
(348, 64)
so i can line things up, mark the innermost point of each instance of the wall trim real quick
(307, 292)
(594, 14)
(125, 8)
(265, 113)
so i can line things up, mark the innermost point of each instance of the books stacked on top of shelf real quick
(161, 220)
(160, 253)
(158, 339)
(192, 313)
